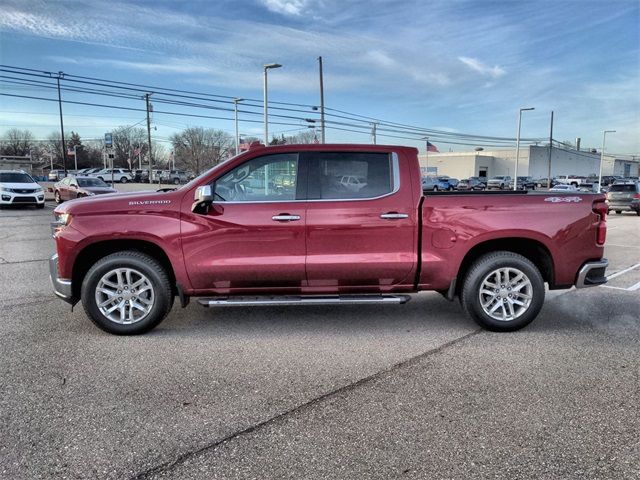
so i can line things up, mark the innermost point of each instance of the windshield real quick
(91, 182)
(15, 177)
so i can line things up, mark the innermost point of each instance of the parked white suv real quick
(119, 175)
(18, 188)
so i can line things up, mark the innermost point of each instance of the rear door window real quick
(622, 188)
(349, 175)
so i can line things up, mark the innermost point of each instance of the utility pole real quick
(322, 137)
(550, 150)
(64, 146)
(374, 126)
(149, 108)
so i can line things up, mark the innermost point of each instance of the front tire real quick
(503, 291)
(57, 197)
(127, 293)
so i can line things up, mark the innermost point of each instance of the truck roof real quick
(345, 147)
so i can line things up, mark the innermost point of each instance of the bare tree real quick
(127, 141)
(197, 149)
(17, 142)
(306, 137)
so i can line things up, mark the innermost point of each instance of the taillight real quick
(637, 195)
(600, 207)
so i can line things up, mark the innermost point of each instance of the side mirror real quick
(202, 199)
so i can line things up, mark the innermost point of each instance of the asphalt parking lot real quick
(413, 391)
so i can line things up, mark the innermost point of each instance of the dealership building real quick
(533, 161)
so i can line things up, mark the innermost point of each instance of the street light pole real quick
(374, 126)
(515, 173)
(604, 136)
(235, 111)
(266, 107)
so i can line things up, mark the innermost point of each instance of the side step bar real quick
(303, 300)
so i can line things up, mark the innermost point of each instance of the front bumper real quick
(13, 198)
(592, 274)
(61, 286)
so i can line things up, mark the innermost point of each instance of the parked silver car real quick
(624, 196)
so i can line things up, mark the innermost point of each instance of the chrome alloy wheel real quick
(505, 294)
(124, 296)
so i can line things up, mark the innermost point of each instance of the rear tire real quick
(618, 212)
(150, 304)
(57, 197)
(503, 291)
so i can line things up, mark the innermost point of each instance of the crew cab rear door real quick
(253, 235)
(359, 235)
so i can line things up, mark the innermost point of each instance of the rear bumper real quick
(627, 206)
(61, 287)
(592, 274)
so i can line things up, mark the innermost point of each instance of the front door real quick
(360, 235)
(253, 236)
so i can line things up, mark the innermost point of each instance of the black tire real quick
(435, 189)
(57, 197)
(618, 212)
(609, 212)
(483, 266)
(176, 181)
(151, 268)
(123, 180)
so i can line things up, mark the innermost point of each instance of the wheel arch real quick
(93, 252)
(529, 248)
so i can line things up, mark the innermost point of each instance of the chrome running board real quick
(303, 300)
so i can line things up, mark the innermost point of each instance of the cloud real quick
(286, 7)
(478, 66)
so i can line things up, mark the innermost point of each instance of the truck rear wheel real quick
(503, 291)
(127, 293)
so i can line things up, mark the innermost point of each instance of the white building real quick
(533, 161)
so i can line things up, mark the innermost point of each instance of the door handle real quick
(394, 216)
(285, 217)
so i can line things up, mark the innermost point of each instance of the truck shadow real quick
(427, 311)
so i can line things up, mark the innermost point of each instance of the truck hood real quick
(118, 203)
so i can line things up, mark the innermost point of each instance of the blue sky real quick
(463, 66)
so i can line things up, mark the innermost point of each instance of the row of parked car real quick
(122, 175)
(500, 182)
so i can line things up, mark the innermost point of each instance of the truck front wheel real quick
(503, 291)
(127, 293)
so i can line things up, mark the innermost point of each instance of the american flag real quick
(432, 148)
(70, 151)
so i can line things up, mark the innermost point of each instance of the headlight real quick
(63, 219)
(5, 189)
(39, 190)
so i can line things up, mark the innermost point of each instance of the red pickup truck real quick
(280, 225)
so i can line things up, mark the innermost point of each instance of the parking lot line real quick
(622, 272)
